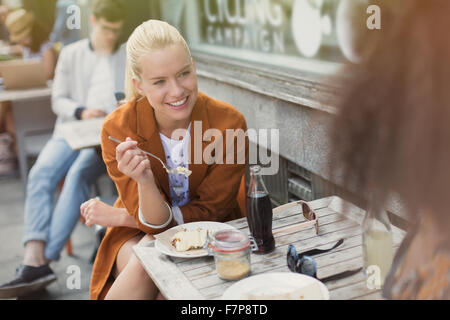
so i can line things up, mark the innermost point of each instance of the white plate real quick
(163, 245)
(277, 286)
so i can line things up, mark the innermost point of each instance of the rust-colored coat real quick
(212, 188)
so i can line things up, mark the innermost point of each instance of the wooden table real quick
(25, 94)
(196, 279)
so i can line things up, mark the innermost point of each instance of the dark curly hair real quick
(392, 130)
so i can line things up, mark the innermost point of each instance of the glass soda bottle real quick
(378, 251)
(259, 212)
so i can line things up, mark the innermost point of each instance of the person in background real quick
(26, 30)
(43, 10)
(33, 38)
(88, 74)
(4, 11)
(391, 136)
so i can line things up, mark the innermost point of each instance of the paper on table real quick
(82, 134)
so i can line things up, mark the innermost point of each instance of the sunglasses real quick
(309, 214)
(303, 262)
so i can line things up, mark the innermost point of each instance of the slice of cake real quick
(189, 239)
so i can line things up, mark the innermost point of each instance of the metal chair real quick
(34, 127)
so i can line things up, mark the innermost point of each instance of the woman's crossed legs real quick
(131, 280)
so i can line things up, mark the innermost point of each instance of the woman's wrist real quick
(152, 205)
(125, 220)
(146, 183)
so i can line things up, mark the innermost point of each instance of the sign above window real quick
(313, 30)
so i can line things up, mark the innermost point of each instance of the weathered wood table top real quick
(196, 279)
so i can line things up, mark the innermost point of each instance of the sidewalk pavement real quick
(11, 249)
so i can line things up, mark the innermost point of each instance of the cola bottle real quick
(259, 212)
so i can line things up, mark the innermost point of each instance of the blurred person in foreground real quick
(88, 74)
(392, 134)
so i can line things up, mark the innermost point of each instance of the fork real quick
(168, 170)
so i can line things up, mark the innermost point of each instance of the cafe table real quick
(196, 278)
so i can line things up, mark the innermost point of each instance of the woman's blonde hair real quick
(150, 35)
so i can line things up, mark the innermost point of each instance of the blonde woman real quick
(163, 98)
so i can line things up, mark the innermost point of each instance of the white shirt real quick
(177, 154)
(101, 88)
(75, 68)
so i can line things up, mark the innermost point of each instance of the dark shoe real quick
(28, 279)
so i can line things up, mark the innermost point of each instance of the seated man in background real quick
(88, 75)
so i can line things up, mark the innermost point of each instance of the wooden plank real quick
(349, 257)
(353, 212)
(320, 206)
(167, 277)
(353, 291)
(302, 242)
(331, 230)
(347, 209)
(186, 263)
(351, 251)
(351, 287)
(371, 296)
(268, 260)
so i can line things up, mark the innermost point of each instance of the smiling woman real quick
(169, 82)
(163, 98)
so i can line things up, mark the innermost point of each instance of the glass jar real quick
(231, 249)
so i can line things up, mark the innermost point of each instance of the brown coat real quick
(212, 187)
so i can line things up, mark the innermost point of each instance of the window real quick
(308, 35)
